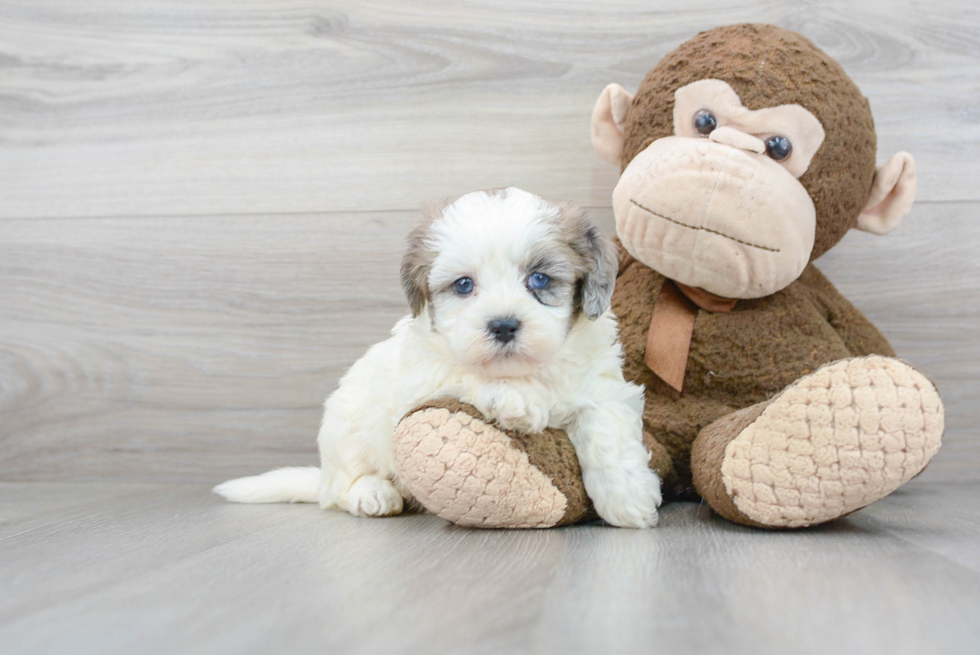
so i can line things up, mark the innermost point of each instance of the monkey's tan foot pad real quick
(474, 474)
(831, 443)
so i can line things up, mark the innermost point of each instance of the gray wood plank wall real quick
(202, 203)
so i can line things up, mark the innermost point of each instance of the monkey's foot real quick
(472, 473)
(829, 444)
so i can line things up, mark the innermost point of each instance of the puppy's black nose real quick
(504, 329)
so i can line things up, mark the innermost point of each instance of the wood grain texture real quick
(195, 349)
(194, 335)
(192, 341)
(172, 569)
(117, 108)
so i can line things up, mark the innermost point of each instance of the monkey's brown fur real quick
(741, 358)
(737, 359)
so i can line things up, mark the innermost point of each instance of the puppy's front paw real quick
(514, 410)
(534, 420)
(624, 498)
(374, 496)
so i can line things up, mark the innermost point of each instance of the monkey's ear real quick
(891, 195)
(608, 120)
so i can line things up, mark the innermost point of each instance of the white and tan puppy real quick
(510, 313)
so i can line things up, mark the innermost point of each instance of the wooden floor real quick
(113, 568)
(202, 209)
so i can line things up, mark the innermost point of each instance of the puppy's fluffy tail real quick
(285, 485)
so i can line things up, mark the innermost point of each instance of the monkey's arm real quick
(858, 333)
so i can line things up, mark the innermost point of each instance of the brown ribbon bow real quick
(672, 326)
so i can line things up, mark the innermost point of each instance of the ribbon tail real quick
(669, 336)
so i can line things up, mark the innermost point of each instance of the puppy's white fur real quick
(563, 369)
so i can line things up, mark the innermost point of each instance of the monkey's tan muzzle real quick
(713, 216)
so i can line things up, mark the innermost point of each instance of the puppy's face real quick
(503, 275)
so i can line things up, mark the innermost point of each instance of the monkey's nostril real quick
(503, 329)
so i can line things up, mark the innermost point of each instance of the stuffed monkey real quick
(746, 153)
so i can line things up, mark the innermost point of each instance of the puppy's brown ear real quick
(598, 288)
(419, 257)
(415, 270)
(599, 261)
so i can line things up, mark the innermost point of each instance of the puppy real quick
(510, 303)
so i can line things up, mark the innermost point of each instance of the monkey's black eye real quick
(705, 122)
(463, 286)
(778, 147)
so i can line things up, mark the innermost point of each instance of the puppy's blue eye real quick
(463, 286)
(538, 281)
